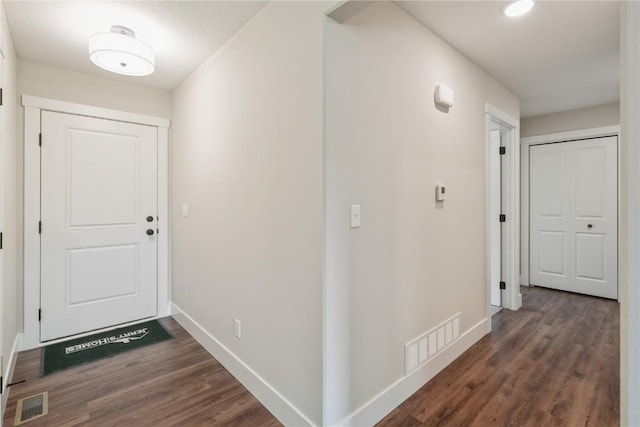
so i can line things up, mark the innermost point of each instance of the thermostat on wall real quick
(440, 193)
(444, 96)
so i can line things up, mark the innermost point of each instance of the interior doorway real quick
(495, 211)
(503, 216)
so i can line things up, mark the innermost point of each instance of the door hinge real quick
(39, 314)
(1, 96)
(503, 285)
(503, 218)
(1, 241)
(39, 227)
(1, 385)
(40, 139)
(503, 150)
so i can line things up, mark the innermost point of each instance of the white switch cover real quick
(237, 328)
(185, 209)
(355, 216)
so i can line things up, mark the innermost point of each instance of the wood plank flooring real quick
(555, 362)
(172, 383)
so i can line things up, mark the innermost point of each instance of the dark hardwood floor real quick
(172, 383)
(555, 362)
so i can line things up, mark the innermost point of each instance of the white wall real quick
(413, 263)
(247, 159)
(11, 314)
(72, 86)
(583, 118)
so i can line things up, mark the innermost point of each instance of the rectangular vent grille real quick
(31, 407)
(419, 350)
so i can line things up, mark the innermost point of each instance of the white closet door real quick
(99, 212)
(573, 216)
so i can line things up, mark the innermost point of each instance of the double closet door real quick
(574, 216)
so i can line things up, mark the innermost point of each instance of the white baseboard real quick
(385, 402)
(8, 373)
(277, 404)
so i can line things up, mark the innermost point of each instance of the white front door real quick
(99, 213)
(574, 216)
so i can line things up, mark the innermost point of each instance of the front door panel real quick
(99, 185)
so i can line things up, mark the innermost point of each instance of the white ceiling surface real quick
(183, 34)
(561, 56)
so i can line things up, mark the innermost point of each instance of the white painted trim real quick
(31, 262)
(572, 135)
(8, 373)
(277, 404)
(91, 111)
(525, 144)
(511, 296)
(164, 289)
(385, 402)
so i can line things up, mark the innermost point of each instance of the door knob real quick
(149, 232)
(149, 218)
(589, 225)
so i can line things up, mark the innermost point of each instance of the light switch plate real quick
(185, 209)
(355, 216)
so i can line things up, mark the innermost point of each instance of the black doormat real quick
(79, 351)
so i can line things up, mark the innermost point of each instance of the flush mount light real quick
(121, 52)
(518, 8)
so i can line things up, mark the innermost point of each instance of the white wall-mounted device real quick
(440, 193)
(444, 96)
(355, 216)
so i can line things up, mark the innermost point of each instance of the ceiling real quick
(561, 56)
(183, 34)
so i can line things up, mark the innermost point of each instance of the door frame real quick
(552, 138)
(511, 296)
(32, 109)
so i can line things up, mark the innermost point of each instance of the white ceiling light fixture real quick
(119, 51)
(518, 8)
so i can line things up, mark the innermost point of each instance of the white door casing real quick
(33, 109)
(99, 185)
(573, 216)
(510, 171)
(495, 210)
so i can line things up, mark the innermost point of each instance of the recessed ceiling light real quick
(518, 8)
(121, 52)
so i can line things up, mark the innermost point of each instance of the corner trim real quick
(381, 405)
(277, 404)
(8, 374)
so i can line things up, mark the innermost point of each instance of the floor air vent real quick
(31, 407)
